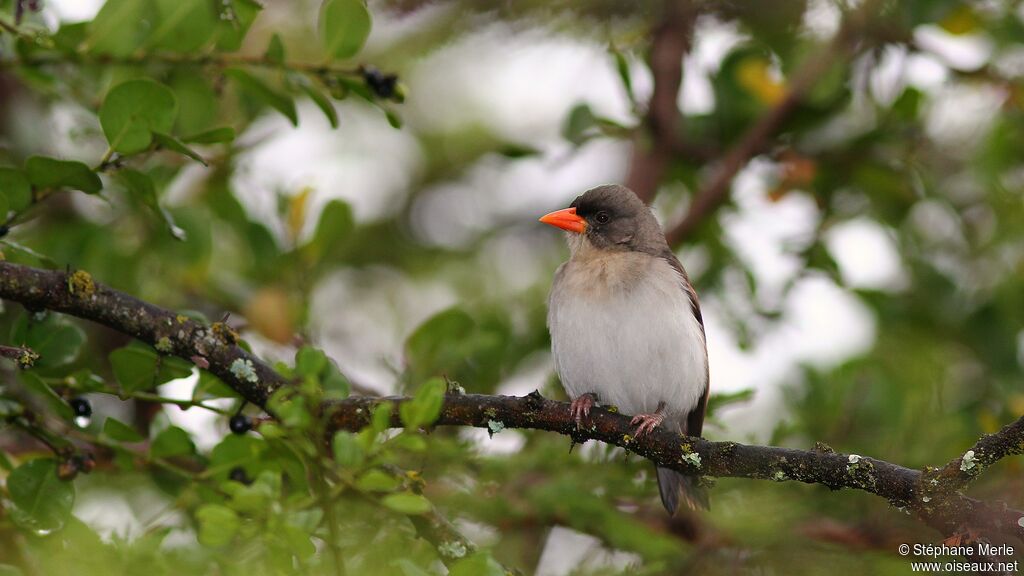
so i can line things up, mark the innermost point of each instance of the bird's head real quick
(609, 217)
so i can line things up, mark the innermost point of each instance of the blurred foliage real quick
(142, 120)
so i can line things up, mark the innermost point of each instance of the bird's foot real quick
(580, 407)
(646, 423)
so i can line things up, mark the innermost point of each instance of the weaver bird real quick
(626, 328)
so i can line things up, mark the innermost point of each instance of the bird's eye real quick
(602, 217)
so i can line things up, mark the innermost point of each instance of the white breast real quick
(622, 328)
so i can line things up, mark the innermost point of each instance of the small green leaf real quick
(117, 430)
(264, 94)
(477, 564)
(173, 144)
(577, 127)
(334, 227)
(139, 368)
(347, 451)
(217, 524)
(142, 186)
(377, 481)
(275, 50)
(425, 407)
(344, 27)
(55, 339)
(214, 136)
(39, 387)
(15, 189)
(119, 28)
(209, 386)
(133, 111)
(45, 172)
(310, 362)
(407, 503)
(42, 501)
(233, 28)
(172, 441)
(183, 25)
(322, 102)
(393, 119)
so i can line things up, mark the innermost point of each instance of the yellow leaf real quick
(297, 209)
(269, 312)
(960, 20)
(754, 74)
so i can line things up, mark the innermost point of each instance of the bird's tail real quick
(672, 485)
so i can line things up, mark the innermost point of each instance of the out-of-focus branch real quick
(22, 355)
(932, 495)
(760, 135)
(653, 150)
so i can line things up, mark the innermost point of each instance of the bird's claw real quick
(580, 408)
(646, 423)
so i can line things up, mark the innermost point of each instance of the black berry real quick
(238, 475)
(383, 85)
(81, 407)
(240, 424)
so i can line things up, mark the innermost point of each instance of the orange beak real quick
(566, 220)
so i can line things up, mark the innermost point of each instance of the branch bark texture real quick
(934, 495)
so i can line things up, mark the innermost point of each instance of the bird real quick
(626, 327)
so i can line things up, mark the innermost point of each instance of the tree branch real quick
(759, 136)
(899, 485)
(650, 159)
(77, 294)
(932, 495)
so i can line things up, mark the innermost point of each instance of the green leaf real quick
(183, 25)
(477, 564)
(275, 50)
(214, 136)
(142, 186)
(217, 524)
(55, 339)
(173, 144)
(577, 127)
(210, 386)
(139, 368)
(34, 383)
(264, 94)
(118, 29)
(117, 430)
(133, 111)
(377, 481)
(348, 452)
(46, 172)
(344, 27)
(232, 30)
(393, 119)
(15, 189)
(310, 362)
(425, 407)
(407, 503)
(334, 228)
(322, 102)
(172, 441)
(42, 501)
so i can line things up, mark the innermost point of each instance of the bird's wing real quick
(695, 417)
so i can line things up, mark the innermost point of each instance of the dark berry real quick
(383, 85)
(81, 407)
(238, 475)
(240, 424)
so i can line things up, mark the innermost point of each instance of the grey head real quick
(616, 219)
